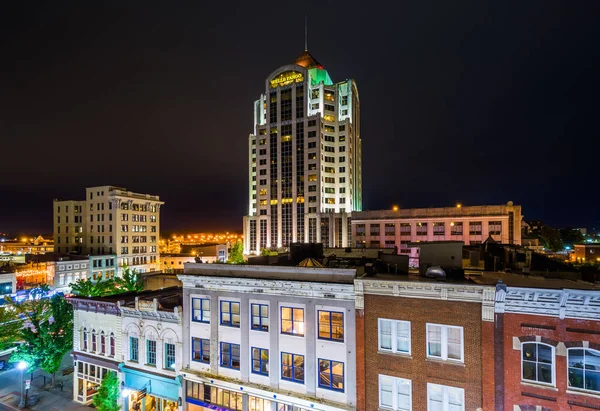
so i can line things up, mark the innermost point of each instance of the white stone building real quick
(268, 338)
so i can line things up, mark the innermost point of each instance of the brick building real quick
(420, 344)
(547, 345)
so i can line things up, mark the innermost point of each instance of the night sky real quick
(478, 102)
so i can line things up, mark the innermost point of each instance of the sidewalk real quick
(49, 399)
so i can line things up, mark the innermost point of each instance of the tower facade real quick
(305, 171)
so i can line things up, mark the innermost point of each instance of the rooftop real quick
(270, 272)
(455, 211)
(307, 60)
(530, 281)
(168, 298)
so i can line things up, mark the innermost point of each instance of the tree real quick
(130, 280)
(571, 236)
(106, 399)
(47, 331)
(236, 253)
(10, 324)
(89, 288)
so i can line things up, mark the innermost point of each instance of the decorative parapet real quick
(269, 287)
(483, 295)
(96, 306)
(565, 303)
(149, 310)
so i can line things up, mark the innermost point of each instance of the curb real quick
(10, 406)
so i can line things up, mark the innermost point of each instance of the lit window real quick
(260, 361)
(443, 398)
(230, 313)
(395, 393)
(260, 317)
(201, 310)
(331, 325)
(394, 336)
(331, 375)
(584, 369)
(201, 350)
(445, 342)
(292, 321)
(538, 362)
(230, 355)
(292, 367)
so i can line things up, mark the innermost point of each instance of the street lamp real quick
(22, 365)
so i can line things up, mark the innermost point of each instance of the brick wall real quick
(360, 360)
(417, 368)
(553, 331)
(487, 355)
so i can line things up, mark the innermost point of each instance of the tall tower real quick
(305, 171)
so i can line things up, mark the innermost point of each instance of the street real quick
(49, 399)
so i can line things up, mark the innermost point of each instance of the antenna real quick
(305, 33)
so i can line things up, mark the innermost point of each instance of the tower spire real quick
(305, 33)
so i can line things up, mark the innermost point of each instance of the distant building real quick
(38, 245)
(304, 159)
(472, 225)
(586, 253)
(208, 252)
(111, 220)
(8, 285)
(69, 269)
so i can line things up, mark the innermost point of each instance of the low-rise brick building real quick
(420, 343)
(547, 345)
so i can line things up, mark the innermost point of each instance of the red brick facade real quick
(561, 334)
(417, 367)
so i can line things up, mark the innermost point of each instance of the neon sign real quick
(287, 77)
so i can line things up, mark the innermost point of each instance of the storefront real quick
(88, 375)
(149, 392)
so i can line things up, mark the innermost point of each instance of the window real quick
(260, 317)
(230, 313)
(395, 393)
(94, 341)
(331, 325)
(201, 310)
(394, 336)
(230, 355)
(292, 321)
(538, 363)
(85, 339)
(443, 398)
(150, 352)
(584, 369)
(260, 361)
(169, 356)
(445, 342)
(201, 350)
(111, 344)
(292, 367)
(133, 349)
(331, 375)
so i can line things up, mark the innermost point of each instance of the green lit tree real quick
(89, 288)
(130, 280)
(236, 253)
(106, 399)
(10, 324)
(267, 252)
(47, 331)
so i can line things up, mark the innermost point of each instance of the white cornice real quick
(483, 295)
(269, 287)
(566, 303)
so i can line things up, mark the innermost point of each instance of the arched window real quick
(537, 362)
(94, 341)
(102, 343)
(584, 369)
(84, 340)
(112, 344)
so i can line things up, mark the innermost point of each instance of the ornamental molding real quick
(567, 303)
(483, 295)
(269, 287)
(166, 316)
(101, 307)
